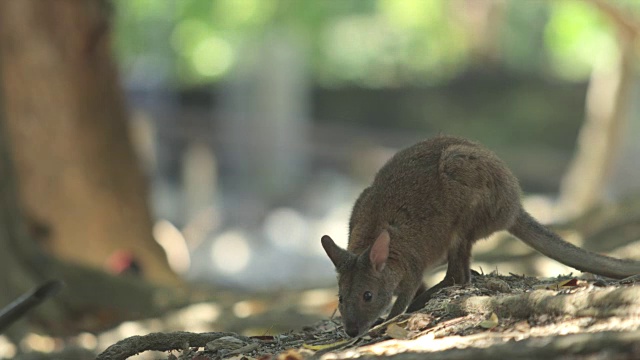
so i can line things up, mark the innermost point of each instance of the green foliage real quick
(398, 43)
(578, 38)
(372, 43)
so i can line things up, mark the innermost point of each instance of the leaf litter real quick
(493, 311)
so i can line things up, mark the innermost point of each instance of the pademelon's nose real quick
(352, 331)
(351, 328)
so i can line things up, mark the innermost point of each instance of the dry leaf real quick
(419, 321)
(563, 284)
(323, 346)
(491, 322)
(397, 332)
(568, 283)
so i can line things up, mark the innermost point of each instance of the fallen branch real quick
(179, 340)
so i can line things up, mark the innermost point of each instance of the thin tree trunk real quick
(599, 140)
(79, 184)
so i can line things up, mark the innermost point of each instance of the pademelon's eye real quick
(367, 296)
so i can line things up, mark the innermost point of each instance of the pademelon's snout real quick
(353, 329)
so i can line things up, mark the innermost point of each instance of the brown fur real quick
(428, 205)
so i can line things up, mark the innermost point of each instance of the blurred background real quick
(260, 121)
(256, 124)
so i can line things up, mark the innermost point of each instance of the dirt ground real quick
(495, 316)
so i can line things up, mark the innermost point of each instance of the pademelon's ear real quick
(379, 252)
(337, 255)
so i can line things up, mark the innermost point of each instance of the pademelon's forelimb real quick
(541, 238)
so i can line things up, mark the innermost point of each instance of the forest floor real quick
(495, 316)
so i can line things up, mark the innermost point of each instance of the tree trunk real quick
(79, 185)
(91, 301)
(600, 138)
(15, 247)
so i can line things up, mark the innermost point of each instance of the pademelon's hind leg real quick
(458, 273)
(483, 193)
(421, 289)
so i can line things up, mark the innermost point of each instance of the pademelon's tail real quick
(539, 237)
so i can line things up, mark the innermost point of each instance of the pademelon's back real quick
(417, 161)
(412, 173)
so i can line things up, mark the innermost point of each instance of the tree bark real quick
(91, 300)
(79, 185)
(15, 247)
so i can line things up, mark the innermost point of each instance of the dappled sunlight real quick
(131, 328)
(174, 245)
(287, 228)
(7, 348)
(199, 316)
(246, 308)
(426, 342)
(40, 343)
(208, 54)
(212, 57)
(318, 301)
(231, 252)
(87, 340)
